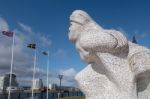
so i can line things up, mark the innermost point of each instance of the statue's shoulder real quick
(135, 48)
(87, 73)
(138, 58)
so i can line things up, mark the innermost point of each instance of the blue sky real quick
(48, 21)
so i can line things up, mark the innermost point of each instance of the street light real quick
(60, 78)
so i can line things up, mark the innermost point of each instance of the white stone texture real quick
(139, 60)
(117, 69)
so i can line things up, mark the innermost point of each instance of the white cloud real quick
(25, 27)
(71, 72)
(26, 78)
(60, 53)
(3, 24)
(46, 41)
(23, 58)
(38, 38)
(69, 77)
(143, 35)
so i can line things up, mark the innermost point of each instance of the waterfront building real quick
(37, 84)
(70, 88)
(4, 81)
(52, 86)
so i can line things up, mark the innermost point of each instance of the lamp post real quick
(60, 78)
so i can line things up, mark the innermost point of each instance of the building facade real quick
(52, 86)
(4, 81)
(37, 84)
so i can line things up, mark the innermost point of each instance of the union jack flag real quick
(7, 33)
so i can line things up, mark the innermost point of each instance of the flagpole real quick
(33, 73)
(12, 57)
(47, 72)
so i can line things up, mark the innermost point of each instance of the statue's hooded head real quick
(82, 23)
(78, 19)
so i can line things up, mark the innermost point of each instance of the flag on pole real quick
(33, 46)
(7, 33)
(45, 53)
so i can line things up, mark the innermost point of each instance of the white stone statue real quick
(115, 68)
(139, 61)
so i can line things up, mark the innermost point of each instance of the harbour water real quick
(52, 95)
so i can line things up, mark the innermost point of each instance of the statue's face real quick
(75, 30)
